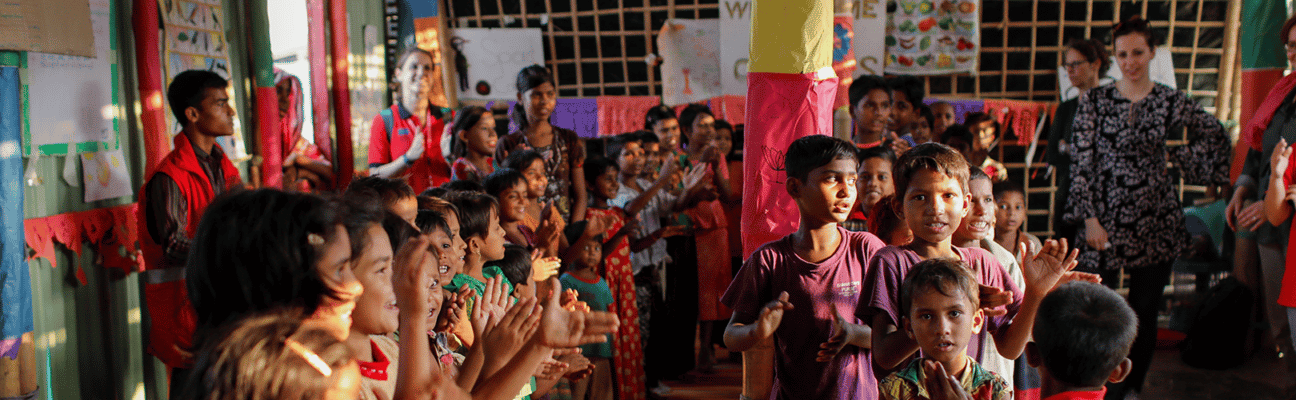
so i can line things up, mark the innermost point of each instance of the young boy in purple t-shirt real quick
(932, 185)
(804, 289)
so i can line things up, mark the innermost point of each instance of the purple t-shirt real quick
(891, 264)
(816, 290)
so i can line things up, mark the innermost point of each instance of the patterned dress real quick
(1119, 173)
(563, 157)
(627, 351)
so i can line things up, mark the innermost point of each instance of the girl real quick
(1010, 215)
(481, 231)
(729, 139)
(405, 140)
(1121, 191)
(562, 150)
(510, 188)
(305, 165)
(532, 166)
(474, 143)
(291, 248)
(710, 226)
(985, 136)
(292, 360)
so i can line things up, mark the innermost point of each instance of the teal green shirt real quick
(598, 296)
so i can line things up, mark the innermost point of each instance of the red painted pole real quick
(148, 68)
(270, 143)
(339, 48)
(319, 90)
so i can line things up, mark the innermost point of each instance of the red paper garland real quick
(113, 233)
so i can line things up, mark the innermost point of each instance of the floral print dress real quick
(1119, 173)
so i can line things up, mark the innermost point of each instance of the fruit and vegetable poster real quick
(933, 37)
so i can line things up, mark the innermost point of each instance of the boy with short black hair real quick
(1083, 337)
(397, 195)
(907, 95)
(812, 278)
(942, 312)
(870, 107)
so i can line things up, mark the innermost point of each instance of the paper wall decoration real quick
(933, 37)
(85, 86)
(105, 176)
(691, 53)
(869, 42)
(494, 57)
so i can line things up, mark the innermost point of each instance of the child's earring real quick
(315, 239)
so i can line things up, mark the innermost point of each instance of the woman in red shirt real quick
(413, 119)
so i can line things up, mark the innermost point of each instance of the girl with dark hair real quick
(1121, 190)
(985, 136)
(473, 144)
(1086, 63)
(405, 139)
(273, 355)
(259, 250)
(562, 150)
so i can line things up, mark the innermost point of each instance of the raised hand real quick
(1043, 270)
(564, 328)
(450, 306)
(543, 268)
(416, 148)
(772, 315)
(511, 330)
(992, 298)
(412, 274)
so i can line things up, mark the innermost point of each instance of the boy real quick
(931, 182)
(397, 195)
(870, 106)
(943, 116)
(872, 185)
(812, 278)
(942, 312)
(907, 95)
(1082, 341)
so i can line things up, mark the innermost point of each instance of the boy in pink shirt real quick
(932, 185)
(804, 290)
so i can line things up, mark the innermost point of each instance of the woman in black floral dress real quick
(1122, 193)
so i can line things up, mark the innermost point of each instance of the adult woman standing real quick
(1086, 63)
(1120, 188)
(562, 150)
(1273, 121)
(405, 140)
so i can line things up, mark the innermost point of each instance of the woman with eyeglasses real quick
(1086, 63)
(1273, 123)
(1122, 192)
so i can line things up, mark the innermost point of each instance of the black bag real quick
(1220, 327)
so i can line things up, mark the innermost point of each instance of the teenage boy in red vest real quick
(172, 200)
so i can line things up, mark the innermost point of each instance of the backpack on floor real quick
(1220, 327)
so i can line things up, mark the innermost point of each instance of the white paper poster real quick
(105, 175)
(1161, 70)
(735, 45)
(82, 85)
(494, 56)
(870, 36)
(691, 66)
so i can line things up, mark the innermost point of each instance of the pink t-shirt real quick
(891, 264)
(817, 290)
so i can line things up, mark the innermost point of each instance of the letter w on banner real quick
(691, 60)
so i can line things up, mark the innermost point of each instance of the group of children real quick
(941, 312)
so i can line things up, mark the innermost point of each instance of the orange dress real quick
(627, 356)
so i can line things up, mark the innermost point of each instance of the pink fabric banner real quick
(621, 114)
(1021, 117)
(784, 107)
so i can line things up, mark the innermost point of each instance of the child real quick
(480, 229)
(397, 195)
(942, 312)
(509, 187)
(966, 142)
(473, 144)
(874, 183)
(1009, 218)
(931, 180)
(583, 276)
(1082, 341)
(532, 167)
(920, 130)
(292, 361)
(730, 141)
(452, 246)
(615, 225)
(985, 136)
(887, 224)
(942, 116)
(442, 319)
(870, 101)
(812, 278)
(907, 95)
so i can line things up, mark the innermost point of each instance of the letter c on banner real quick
(740, 68)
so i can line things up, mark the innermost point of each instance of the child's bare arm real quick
(891, 346)
(1277, 209)
(845, 333)
(665, 177)
(740, 336)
